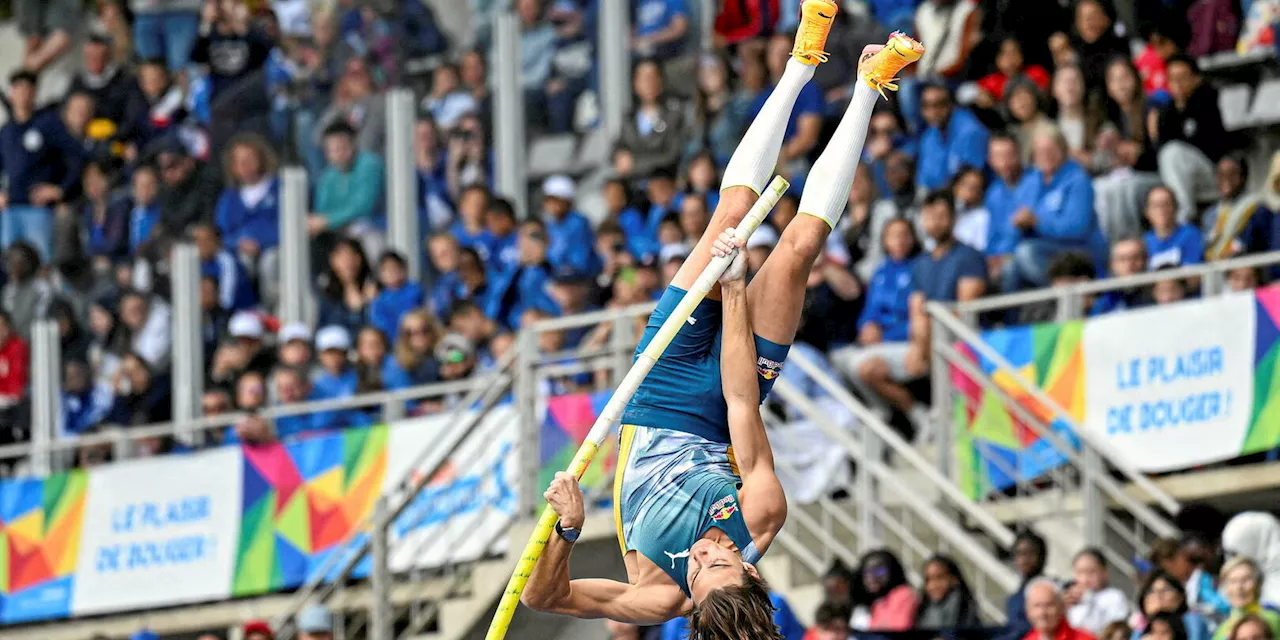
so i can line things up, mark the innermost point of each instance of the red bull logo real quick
(723, 509)
(768, 369)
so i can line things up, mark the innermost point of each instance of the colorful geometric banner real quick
(564, 428)
(39, 545)
(1167, 388)
(238, 521)
(300, 501)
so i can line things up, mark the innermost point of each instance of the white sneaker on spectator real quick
(922, 420)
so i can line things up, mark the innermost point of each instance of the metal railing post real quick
(620, 341)
(1094, 503)
(402, 182)
(615, 65)
(295, 247)
(866, 492)
(527, 403)
(188, 343)
(940, 390)
(1070, 305)
(381, 624)
(509, 134)
(46, 394)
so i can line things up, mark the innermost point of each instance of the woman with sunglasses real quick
(883, 601)
(1162, 593)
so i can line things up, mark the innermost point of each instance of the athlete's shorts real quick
(664, 481)
(683, 391)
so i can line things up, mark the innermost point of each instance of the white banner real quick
(474, 495)
(160, 531)
(1171, 387)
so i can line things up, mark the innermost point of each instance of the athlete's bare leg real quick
(751, 167)
(776, 294)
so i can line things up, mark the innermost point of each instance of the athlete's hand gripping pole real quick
(613, 409)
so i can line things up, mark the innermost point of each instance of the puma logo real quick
(676, 556)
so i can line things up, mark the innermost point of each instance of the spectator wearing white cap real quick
(568, 232)
(670, 257)
(759, 246)
(336, 378)
(245, 351)
(315, 623)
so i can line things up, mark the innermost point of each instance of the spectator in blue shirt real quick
(1170, 244)
(500, 221)
(664, 201)
(804, 127)
(444, 253)
(397, 296)
(235, 289)
(950, 272)
(41, 164)
(659, 28)
(887, 311)
(620, 210)
(104, 215)
(1128, 257)
(336, 379)
(954, 138)
(1006, 168)
(292, 386)
(527, 285)
(1053, 214)
(470, 228)
(248, 210)
(412, 360)
(144, 218)
(85, 403)
(569, 234)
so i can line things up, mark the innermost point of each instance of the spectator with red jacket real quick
(15, 360)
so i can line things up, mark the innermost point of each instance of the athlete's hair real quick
(738, 612)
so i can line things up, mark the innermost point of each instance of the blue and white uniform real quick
(676, 477)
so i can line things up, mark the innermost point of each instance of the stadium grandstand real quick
(305, 302)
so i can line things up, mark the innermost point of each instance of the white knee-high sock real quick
(752, 162)
(826, 189)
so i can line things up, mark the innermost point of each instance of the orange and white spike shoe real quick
(880, 65)
(816, 17)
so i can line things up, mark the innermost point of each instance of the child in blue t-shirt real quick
(1170, 244)
(398, 295)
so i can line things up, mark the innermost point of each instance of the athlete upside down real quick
(696, 498)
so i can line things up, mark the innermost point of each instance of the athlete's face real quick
(713, 567)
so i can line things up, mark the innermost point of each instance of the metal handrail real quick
(945, 526)
(943, 316)
(1011, 300)
(153, 430)
(867, 418)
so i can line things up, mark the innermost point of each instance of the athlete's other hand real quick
(565, 498)
(728, 244)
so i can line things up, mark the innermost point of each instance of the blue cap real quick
(144, 634)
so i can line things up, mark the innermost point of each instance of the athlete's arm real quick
(550, 589)
(764, 505)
